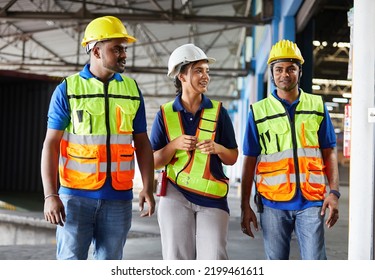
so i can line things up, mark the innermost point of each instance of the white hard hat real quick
(183, 55)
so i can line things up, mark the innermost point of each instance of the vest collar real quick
(274, 94)
(86, 74)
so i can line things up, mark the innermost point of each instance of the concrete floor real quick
(144, 240)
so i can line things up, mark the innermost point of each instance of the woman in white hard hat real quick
(191, 146)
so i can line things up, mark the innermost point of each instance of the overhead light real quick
(347, 95)
(343, 45)
(316, 43)
(332, 104)
(340, 100)
(332, 82)
(316, 87)
(336, 115)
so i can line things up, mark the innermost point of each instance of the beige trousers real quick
(189, 231)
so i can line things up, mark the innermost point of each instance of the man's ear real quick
(96, 51)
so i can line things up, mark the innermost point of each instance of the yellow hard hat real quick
(103, 28)
(285, 49)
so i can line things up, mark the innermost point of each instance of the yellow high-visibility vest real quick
(98, 141)
(191, 170)
(290, 154)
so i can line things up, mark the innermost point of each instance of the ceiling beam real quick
(305, 13)
(218, 72)
(176, 18)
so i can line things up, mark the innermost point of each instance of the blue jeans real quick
(104, 223)
(278, 226)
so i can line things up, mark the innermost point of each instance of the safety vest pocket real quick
(81, 168)
(273, 178)
(125, 164)
(88, 118)
(124, 118)
(309, 133)
(315, 184)
(272, 139)
(81, 120)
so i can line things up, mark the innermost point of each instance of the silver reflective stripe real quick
(91, 167)
(122, 139)
(275, 180)
(309, 152)
(288, 154)
(85, 140)
(276, 157)
(301, 152)
(103, 167)
(97, 139)
(282, 179)
(315, 178)
(124, 166)
(85, 168)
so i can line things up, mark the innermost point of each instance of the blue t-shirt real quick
(224, 136)
(251, 147)
(59, 119)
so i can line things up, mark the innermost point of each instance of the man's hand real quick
(332, 202)
(145, 197)
(247, 217)
(54, 211)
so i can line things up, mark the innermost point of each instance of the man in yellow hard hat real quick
(289, 149)
(94, 118)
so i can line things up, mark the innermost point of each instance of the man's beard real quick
(119, 67)
(288, 88)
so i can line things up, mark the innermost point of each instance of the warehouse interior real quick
(40, 44)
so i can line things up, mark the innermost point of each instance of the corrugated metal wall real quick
(23, 117)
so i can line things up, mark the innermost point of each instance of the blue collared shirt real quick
(59, 119)
(224, 136)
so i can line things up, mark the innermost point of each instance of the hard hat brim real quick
(172, 74)
(129, 39)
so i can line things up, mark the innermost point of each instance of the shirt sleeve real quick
(326, 133)
(225, 132)
(158, 136)
(58, 112)
(251, 146)
(139, 122)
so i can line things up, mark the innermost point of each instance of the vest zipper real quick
(294, 142)
(108, 128)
